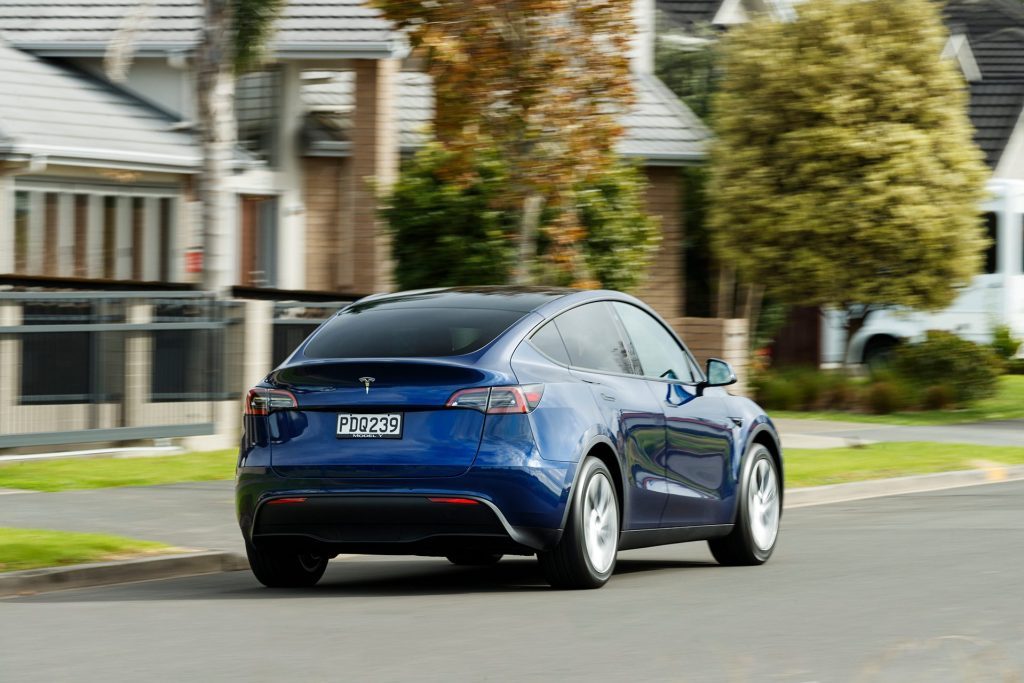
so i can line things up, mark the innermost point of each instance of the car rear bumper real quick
(507, 509)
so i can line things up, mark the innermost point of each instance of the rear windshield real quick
(409, 332)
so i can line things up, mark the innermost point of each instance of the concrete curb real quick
(859, 490)
(105, 573)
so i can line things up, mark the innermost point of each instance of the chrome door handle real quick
(607, 397)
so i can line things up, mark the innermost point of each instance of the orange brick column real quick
(374, 165)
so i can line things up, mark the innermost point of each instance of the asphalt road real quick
(923, 587)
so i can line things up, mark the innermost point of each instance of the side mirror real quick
(719, 374)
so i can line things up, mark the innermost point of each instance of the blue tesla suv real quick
(471, 423)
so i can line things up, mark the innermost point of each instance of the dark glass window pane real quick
(658, 352)
(109, 237)
(592, 339)
(55, 367)
(185, 365)
(81, 251)
(287, 338)
(992, 227)
(138, 230)
(21, 235)
(409, 332)
(549, 342)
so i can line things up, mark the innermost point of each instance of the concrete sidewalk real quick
(834, 434)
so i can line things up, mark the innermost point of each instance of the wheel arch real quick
(602, 448)
(765, 437)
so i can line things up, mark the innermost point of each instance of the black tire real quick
(569, 565)
(740, 548)
(284, 567)
(468, 558)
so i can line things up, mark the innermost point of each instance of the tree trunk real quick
(752, 312)
(856, 316)
(528, 239)
(725, 301)
(215, 98)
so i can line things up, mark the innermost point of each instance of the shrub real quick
(1003, 342)
(970, 370)
(804, 389)
(884, 397)
(776, 393)
(937, 397)
(1015, 366)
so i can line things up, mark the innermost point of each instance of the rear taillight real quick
(261, 401)
(498, 400)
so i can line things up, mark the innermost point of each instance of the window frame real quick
(697, 371)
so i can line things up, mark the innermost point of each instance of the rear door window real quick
(409, 332)
(592, 339)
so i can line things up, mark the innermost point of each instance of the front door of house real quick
(259, 241)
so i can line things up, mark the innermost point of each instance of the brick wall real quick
(327, 231)
(664, 284)
(374, 168)
(724, 338)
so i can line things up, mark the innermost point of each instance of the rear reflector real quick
(455, 501)
(285, 501)
(498, 400)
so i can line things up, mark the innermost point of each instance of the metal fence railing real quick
(85, 367)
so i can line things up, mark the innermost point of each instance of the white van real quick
(996, 297)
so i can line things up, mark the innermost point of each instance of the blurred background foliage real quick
(844, 170)
(448, 233)
(541, 85)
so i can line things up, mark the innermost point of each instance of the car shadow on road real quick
(356, 578)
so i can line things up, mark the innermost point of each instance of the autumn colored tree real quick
(543, 83)
(844, 173)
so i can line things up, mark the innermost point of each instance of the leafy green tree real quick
(449, 233)
(844, 172)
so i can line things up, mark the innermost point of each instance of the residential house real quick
(335, 108)
(98, 190)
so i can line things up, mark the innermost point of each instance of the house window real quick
(64, 228)
(166, 236)
(992, 230)
(110, 237)
(21, 231)
(257, 109)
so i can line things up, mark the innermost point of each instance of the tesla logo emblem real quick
(367, 381)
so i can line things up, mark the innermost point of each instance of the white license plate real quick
(377, 426)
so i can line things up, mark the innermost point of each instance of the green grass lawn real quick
(883, 460)
(1008, 404)
(94, 473)
(33, 548)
